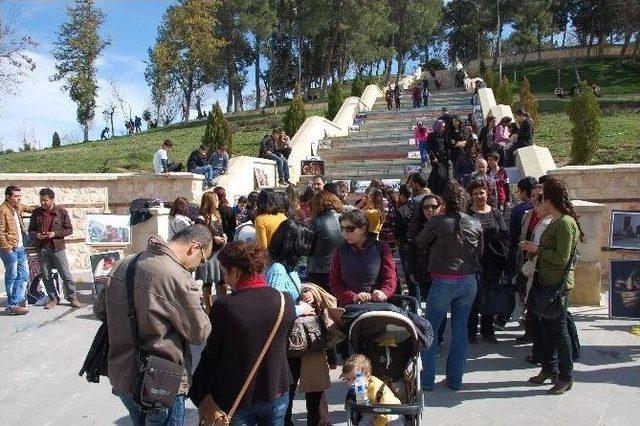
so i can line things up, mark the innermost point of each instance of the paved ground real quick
(42, 352)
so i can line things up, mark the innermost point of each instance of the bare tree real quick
(15, 62)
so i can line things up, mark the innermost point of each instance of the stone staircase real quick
(381, 146)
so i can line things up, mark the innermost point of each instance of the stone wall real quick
(615, 186)
(100, 193)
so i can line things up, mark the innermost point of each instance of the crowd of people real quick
(460, 250)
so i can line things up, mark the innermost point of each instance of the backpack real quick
(37, 293)
(245, 232)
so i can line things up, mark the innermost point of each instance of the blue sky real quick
(39, 107)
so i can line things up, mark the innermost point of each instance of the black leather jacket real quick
(447, 254)
(326, 239)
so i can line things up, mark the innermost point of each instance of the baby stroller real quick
(390, 341)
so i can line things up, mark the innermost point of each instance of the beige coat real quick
(314, 370)
(9, 229)
(168, 310)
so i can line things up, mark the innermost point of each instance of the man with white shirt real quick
(12, 250)
(161, 163)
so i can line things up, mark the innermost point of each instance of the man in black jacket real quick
(197, 163)
(268, 150)
(525, 136)
(49, 225)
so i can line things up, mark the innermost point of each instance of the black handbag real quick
(158, 380)
(549, 302)
(308, 334)
(96, 361)
(497, 299)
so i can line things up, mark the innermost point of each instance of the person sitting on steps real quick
(269, 151)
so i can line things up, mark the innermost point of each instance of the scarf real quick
(253, 281)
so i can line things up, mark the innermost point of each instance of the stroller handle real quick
(399, 300)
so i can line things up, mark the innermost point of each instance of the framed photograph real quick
(392, 183)
(354, 128)
(412, 168)
(101, 264)
(312, 167)
(262, 178)
(412, 141)
(108, 229)
(413, 155)
(346, 182)
(360, 186)
(624, 288)
(625, 230)
(325, 144)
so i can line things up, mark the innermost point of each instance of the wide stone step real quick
(368, 153)
(356, 139)
(410, 111)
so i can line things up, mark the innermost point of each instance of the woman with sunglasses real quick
(556, 261)
(362, 269)
(454, 242)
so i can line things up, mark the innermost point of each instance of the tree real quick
(584, 113)
(55, 141)
(15, 61)
(217, 134)
(157, 76)
(527, 101)
(295, 116)
(504, 93)
(335, 100)
(187, 50)
(77, 48)
(357, 86)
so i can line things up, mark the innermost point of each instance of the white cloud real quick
(40, 107)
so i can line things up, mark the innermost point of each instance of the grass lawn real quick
(613, 79)
(135, 153)
(619, 142)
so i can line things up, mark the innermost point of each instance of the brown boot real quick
(75, 303)
(19, 310)
(543, 377)
(560, 387)
(52, 304)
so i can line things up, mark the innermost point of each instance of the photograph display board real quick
(108, 229)
(101, 264)
(312, 167)
(624, 288)
(625, 230)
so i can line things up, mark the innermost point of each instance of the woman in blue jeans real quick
(454, 241)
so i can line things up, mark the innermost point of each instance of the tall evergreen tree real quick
(217, 133)
(78, 46)
(527, 101)
(55, 140)
(295, 116)
(584, 113)
(335, 100)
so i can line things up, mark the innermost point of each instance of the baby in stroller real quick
(377, 391)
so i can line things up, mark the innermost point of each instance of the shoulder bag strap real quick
(570, 263)
(256, 365)
(133, 322)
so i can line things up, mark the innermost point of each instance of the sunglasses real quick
(348, 228)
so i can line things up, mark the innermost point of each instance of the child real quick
(377, 391)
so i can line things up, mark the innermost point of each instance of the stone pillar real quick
(586, 290)
(158, 224)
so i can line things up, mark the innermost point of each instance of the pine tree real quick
(504, 93)
(490, 77)
(78, 46)
(217, 134)
(584, 113)
(335, 100)
(358, 85)
(527, 101)
(55, 142)
(295, 116)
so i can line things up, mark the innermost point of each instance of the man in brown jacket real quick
(48, 226)
(170, 316)
(12, 250)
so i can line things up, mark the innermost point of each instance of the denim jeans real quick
(459, 293)
(16, 275)
(173, 416)
(424, 153)
(283, 167)
(554, 344)
(50, 259)
(270, 413)
(207, 171)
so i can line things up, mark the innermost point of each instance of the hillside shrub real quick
(218, 134)
(335, 100)
(504, 93)
(358, 85)
(490, 78)
(55, 141)
(294, 117)
(584, 113)
(527, 101)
